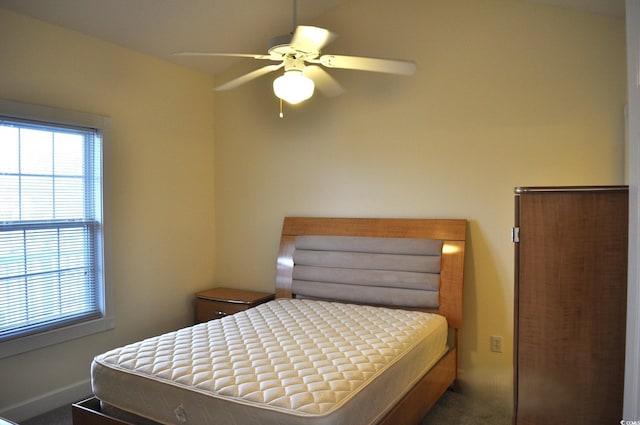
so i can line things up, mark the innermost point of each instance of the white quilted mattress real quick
(284, 362)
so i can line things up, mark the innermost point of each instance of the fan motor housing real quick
(281, 45)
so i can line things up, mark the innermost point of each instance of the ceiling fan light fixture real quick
(293, 87)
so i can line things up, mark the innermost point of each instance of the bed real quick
(365, 329)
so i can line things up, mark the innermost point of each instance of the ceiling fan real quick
(299, 53)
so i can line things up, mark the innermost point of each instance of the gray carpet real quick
(452, 408)
(460, 409)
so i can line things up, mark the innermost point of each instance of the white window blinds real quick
(50, 224)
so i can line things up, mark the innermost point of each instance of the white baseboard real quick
(46, 402)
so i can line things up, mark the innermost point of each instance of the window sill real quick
(55, 336)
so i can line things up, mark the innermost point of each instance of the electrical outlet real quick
(496, 344)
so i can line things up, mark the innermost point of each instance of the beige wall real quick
(159, 198)
(508, 93)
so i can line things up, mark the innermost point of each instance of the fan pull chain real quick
(281, 114)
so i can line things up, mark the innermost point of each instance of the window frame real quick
(57, 116)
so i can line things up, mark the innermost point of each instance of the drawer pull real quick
(220, 313)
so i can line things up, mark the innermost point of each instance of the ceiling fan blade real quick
(390, 66)
(311, 39)
(248, 77)
(323, 81)
(234, 55)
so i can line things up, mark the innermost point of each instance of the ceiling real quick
(162, 27)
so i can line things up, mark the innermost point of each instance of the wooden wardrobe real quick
(570, 304)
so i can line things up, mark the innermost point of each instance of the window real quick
(51, 271)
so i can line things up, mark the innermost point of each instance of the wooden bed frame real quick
(411, 409)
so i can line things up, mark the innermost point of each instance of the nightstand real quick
(219, 302)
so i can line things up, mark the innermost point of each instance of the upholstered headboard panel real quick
(391, 271)
(422, 237)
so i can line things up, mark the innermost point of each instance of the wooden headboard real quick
(452, 232)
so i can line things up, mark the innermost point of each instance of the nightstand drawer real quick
(209, 310)
(219, 302)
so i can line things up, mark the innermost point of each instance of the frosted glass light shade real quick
(293, 87)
